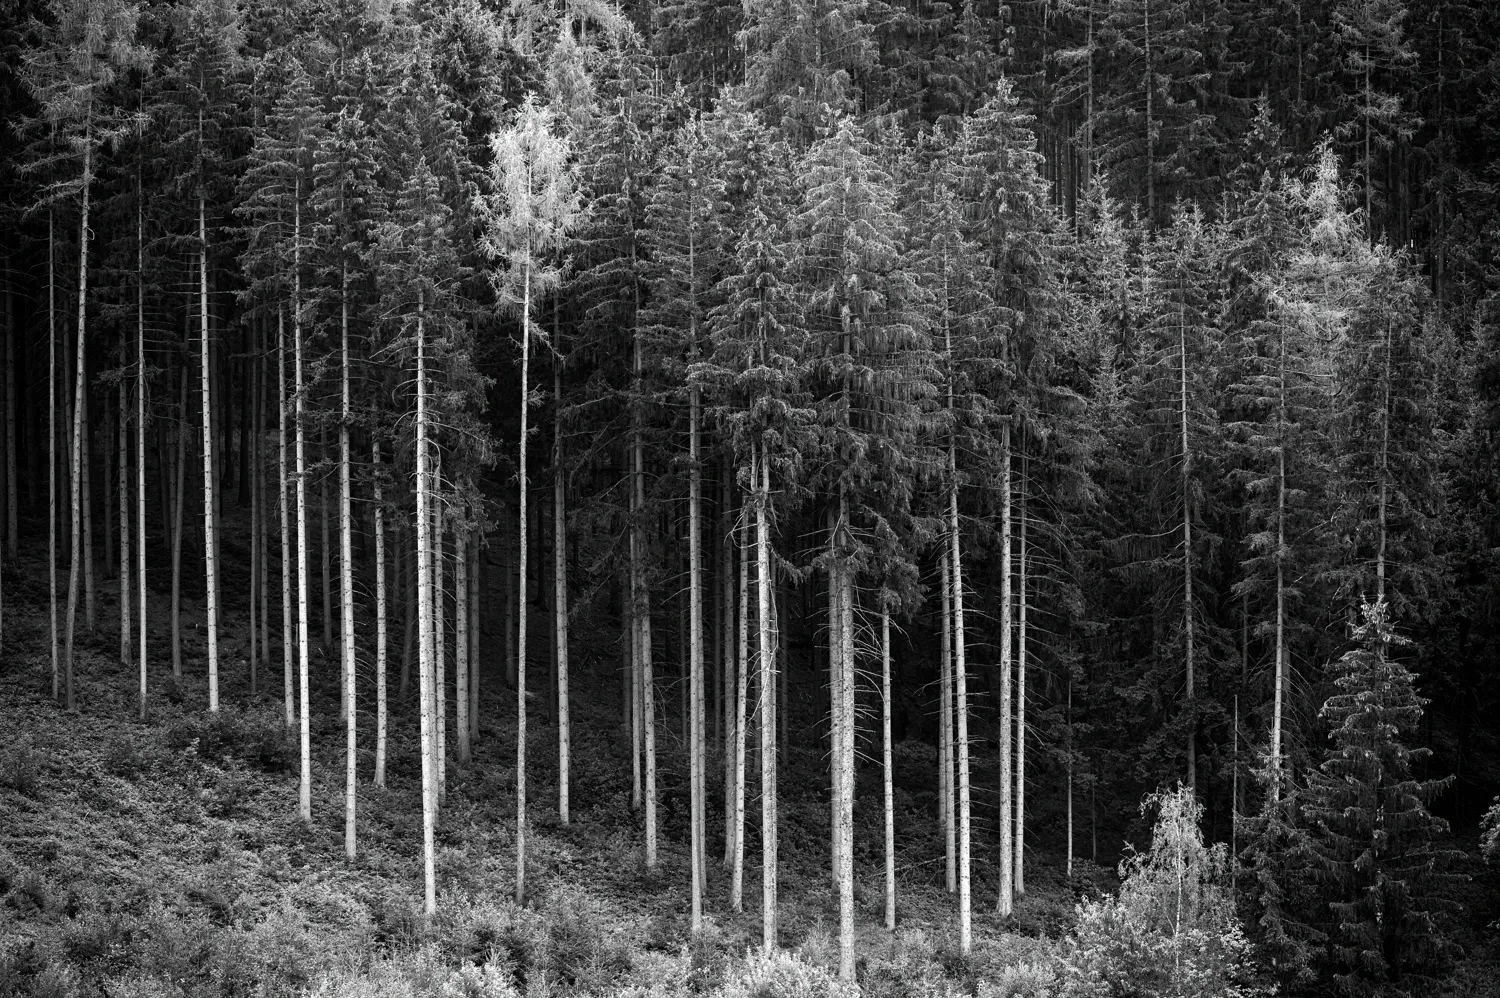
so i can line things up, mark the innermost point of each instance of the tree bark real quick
(742, 677)
(886, 770)
(304, 794)
(123, 432)
(461, 611)
(78, 410)
(945, 736)
(288, 630)
(961, 706)
(210, 540)
(560, 592)
(1187, 556)
(140, 437)
(382, 718)
(179, 502)
(346, 578)
(1006, 902)
(1020, 782)
(767, 714)
(52, 504)
(521, 603)
(695, 654)
(424, 627)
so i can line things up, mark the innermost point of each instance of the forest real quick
(750, 498)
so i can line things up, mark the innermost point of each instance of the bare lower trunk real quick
(79, 386)
(961, 706)
(52, 504)
(424, 628)
(346, 587)
(210, 539)
(1187, 559)
(767, 714)
(945, 735)
(742, 677)
(304, 792)
(521, 606)
(288, 630)
(560, 598)
(1020, 784)
(461, 612)
(695, 662)
(886, 771)
(1006, 901)
(179, 501)
(381, 716)
(123, 433)
(140, 448)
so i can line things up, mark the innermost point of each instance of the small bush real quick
(782, 975)
(1022, 980)
(255, 739)
(19, 769)
(124, 756)
(31, 894)
(57, 980)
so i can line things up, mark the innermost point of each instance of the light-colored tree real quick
(535, 204)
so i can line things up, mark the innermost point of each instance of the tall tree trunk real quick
(695, 653)
(1020, 784)
(123, 432)
(262, 516)
(288, 629)
(140, 434)
(476, 565)
(304, 795)
(210, 539)
(78, 411)
(439, 629)
(1006, 902)
(1279, 691)
(424, 627)
(945, 735)
(1068, 734)
(52, 453)
(382, 718)
(742, 679)
(847, 755)
(325, 553)
(179, 503)
(346, 575)
(87, 422)
(1150, 122)
(643, 609)
(560, 591)
(727, 532)
(767, 713)
(886, 770)
(11, 495)
(1385, 457)
(461, 612)
(521, 603)
(1187, 556)
(256, 578)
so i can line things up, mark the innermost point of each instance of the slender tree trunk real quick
(424, 626)
(521, 605)
(304, 796)
(288, 630)
(728, 531)
(695, 654)
(325, 553)
(123, 431)
(78, 411)
(476, 564)
(439, 629)
(560, 593)
(1006, 902)
(742, 679)
(179, 502)
(461, 611)
(11, 495)
(1068, 735)
(1150, 122)
(1020, 836)
(1385, 452)
(140, 434)
(346, 578)
(1187, 558)
(382, 718)
(87, 443)
(886, 770)
(945, 735)
(643, 608)
(1279, 691)
(847, 758)
(262, 516)
(52, 504)
(210, 539)
(256, 577)
(767, 714)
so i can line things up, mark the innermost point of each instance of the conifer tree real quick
(534, 207)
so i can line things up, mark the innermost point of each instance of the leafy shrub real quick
(581, 948)
(19, 769)
(125, 756)
(254, 738)
(57, 980)
(1022, 980)
(782, 975)
(1172, 932)
(31, 894)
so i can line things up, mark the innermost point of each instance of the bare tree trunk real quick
(87, 443)
(179, 501)
(123, 432)
(475, 631)
(210, 539)
(12, 498)
(1020, 835)
(1006, 901)
(262, 516)
(886, 770)
(560, 593)
(767, 715)
(643, 608)
(257, 578)
(521, 604)
(382, 717)
(140, 438)
(695, 655)
(78, 411)
(848, 760)
(1187, 556)
(288, 630)
(461, 641)
(325, 554)
(1279, 692)
(728, 531)
(439, 630)
(961, 705)
(945, 736)
(1385, 452)
(52, 504)
(742, 677)
(346, 578)
(424, 627)
(304, 796)
(1068, 728)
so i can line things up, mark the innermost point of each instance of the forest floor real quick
(165, 857)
